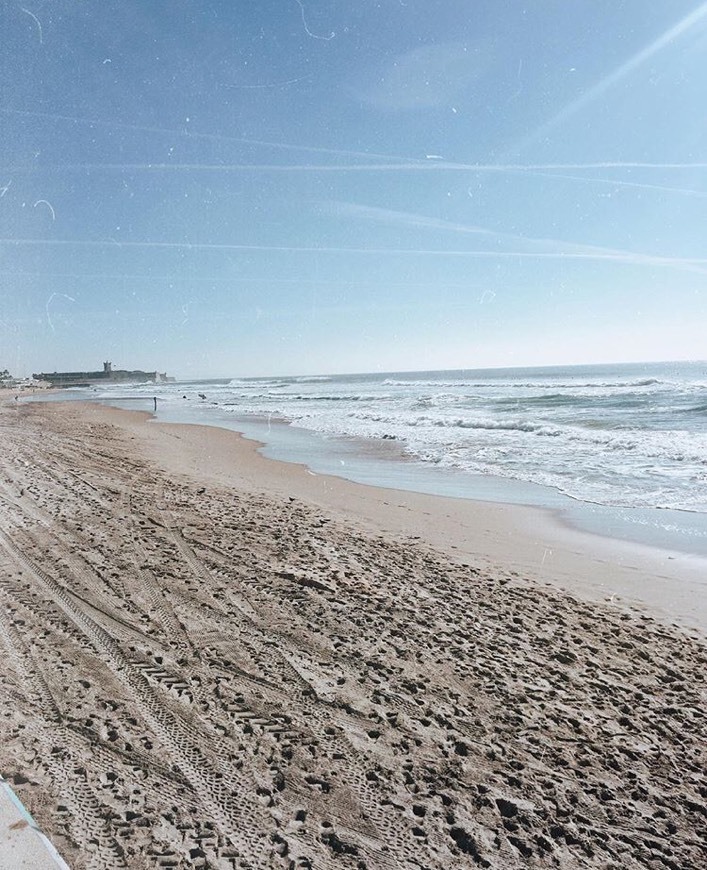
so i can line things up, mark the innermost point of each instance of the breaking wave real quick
(629, 435)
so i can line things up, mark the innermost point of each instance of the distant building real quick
(8, 382)
(109, 375)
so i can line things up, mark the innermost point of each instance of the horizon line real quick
(493, 368)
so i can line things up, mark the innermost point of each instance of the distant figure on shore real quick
(155, 401)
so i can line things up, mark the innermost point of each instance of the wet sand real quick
(212, 659)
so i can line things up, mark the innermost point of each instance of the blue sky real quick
(224, 189)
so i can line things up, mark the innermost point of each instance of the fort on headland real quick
(109, 375)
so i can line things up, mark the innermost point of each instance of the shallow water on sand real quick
(617, 451)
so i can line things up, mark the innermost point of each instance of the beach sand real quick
(215, 660)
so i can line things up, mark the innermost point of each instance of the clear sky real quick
(304, 186)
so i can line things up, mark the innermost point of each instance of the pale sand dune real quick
(212, 660)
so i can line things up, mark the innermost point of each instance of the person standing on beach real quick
(155, 401)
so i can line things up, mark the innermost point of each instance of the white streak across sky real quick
(544, 170)
(535, 182)
(183, 133)
(401, 163)
(683, 26)
(438, 166)
(629, 257)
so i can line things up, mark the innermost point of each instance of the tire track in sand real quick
(387, 847)
(239, 820)
(87, 816)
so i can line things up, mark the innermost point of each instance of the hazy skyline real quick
(307, 187)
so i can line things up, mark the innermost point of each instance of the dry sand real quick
(213, 660)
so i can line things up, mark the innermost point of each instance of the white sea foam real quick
(626, 435)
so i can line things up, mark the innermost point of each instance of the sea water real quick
(630, 437)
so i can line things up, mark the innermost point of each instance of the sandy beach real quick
(211, 659)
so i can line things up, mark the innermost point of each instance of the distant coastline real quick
(108, 375)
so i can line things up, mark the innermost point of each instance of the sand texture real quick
(194, 675)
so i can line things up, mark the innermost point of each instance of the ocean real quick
(630, 437)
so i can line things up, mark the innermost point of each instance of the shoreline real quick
(542, 541)
(210, 654)
(546, 543)
(382, 463)
(539, 541)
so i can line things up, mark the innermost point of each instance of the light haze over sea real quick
(630, 436)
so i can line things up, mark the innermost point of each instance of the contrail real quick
(234, 282)
(613, 182)
(125, 276)
(561, 247)
(268, 85)
(212, 137)
(436, 166)
(615, 256)
(404, 163)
